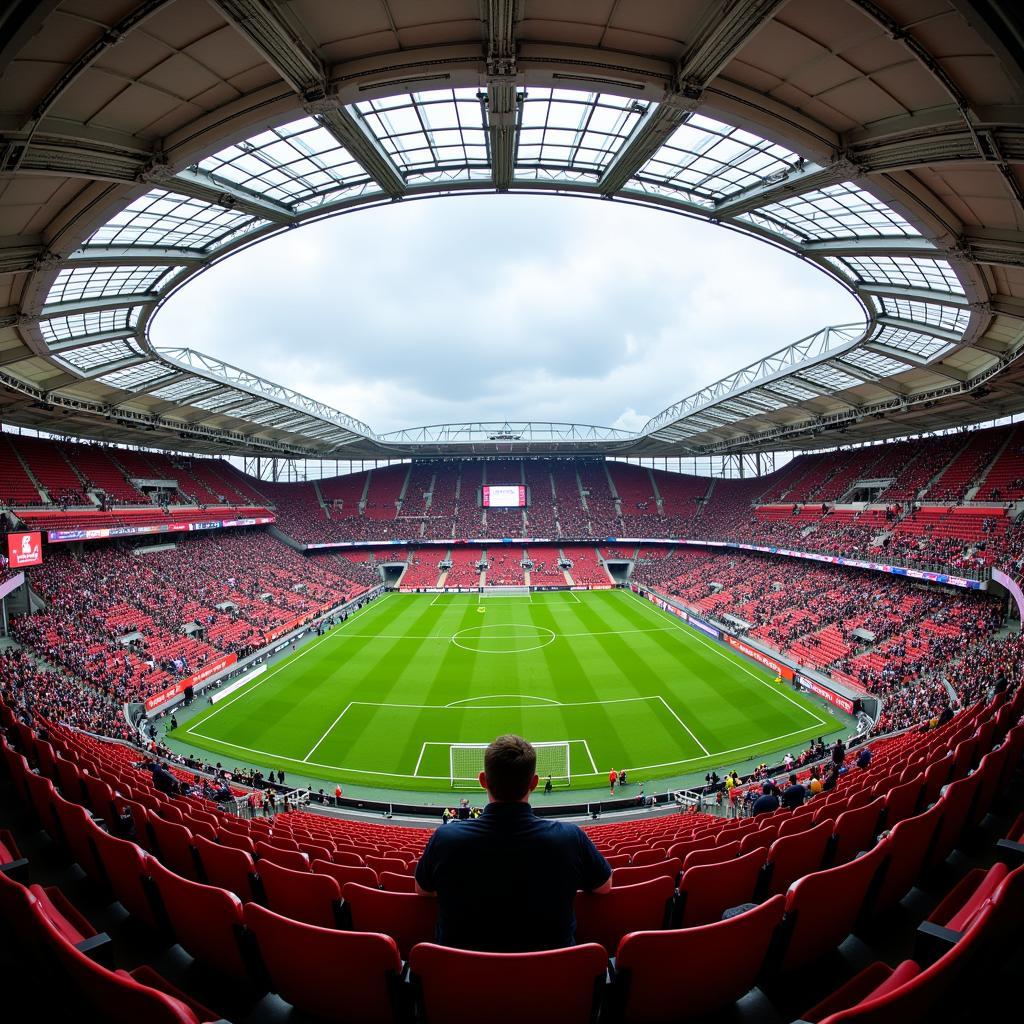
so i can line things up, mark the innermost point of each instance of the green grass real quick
(378, 700)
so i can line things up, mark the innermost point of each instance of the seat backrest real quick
(756, 839)
(348, 857)
(912, 1000)
(394, 882)
(712, 855)
(114, 996)
(75, 826)
(907, 846)
(648, 855)
(362, 967)
(295, 860)
(206, 920)
(855, 830)
(730, 953)
(708, 890)
(126, 871)
(556, 984)
(605, 918)
(903, 800)
(308, 897)
(407, 917)
(226, 867)
(172, 843)
(791, 857)
(823, 907)
(668, 868)
(228, 837)
(343, 873)
(957, 800)
(379, 864)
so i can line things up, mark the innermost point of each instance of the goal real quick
(505, 592)
(466, 761)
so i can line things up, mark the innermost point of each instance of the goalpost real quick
(466, 762)
(505, 592)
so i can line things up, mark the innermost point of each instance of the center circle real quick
(507, 638)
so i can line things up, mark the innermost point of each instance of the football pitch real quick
(380, 699)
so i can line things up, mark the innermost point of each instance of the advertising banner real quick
(195, 679)
(759, 656)
(106, 532)
(841, 702)
(24, 549)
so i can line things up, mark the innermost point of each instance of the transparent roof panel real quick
(443, 129)
(829, 376)
(184, 389)
(951, 318)
(874, 362)
(99, 321)
(94, 282)
(904, 271)
(301, 165)
(838, 211)
(790, 389)
(134, 378)
(163, 218)
(925, 346)
(705, 161)
(104, 353)
(575, 131)
(217, 402)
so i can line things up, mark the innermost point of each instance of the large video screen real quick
(505, 496)
(24, 549)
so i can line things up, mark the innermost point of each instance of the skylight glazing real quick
(430, 131)
(92, 356)
(301, 165)
(874, 362)
(184, 389)
(705, 161)
(838, 211)
(99, 321)
(95, 282)
(791, 389)
(904, 271)
(925, 346)
(829, 376)
(578, 132)
(162, 218)
(950, 318)
(135, 378)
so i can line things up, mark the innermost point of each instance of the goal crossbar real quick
(466, 762)
(505, 591)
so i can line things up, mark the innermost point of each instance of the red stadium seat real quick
(711, 855)
(554, 985)
(907, 847)
(856, 829)
(343, 873)
(707, 891)
(126, 871)
(312, 898)
(347, 977)
(793, 856)
(668, 868)
(205, 920)
(823, 907)
(19, 902)
(294, 860)
(651, 988)
(225, 867)
(173, 846)
(393, 882)
(407, 917)
(76, 827)
(605, 918)
(341, 856)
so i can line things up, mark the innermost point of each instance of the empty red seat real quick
(341, 976)
(343, 873)
(125, 868)
(554, 985)
(906, 846)
(652, 987)
(393, 882)
(711, 855)
(790, 857)
(205, 919)
(172, 844)
(668, 868)
(313, 898)
(708, 890)
(295, 860)
(407, 917)
(855, 830)
(605, 918)
(226, 867)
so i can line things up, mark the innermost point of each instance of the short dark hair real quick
(792, 778)
(509, 766)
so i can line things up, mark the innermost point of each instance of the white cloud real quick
(494, 307)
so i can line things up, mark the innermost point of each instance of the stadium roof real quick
(141, 142)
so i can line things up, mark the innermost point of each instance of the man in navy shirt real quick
(506, 881)
(767, 802)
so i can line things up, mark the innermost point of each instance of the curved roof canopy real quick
(141, 142)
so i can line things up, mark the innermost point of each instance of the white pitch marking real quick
(416, 770)
(530, 696)
(328, 730)
(586, 747)
(753, 675)
(684, 725)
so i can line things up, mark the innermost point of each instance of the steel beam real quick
(210, 189)
(649, 135)
(349, 130)
(785, 185)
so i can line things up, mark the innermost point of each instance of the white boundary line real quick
(743, 668)
(416, 770)
(290, 660)
(684, 725)
(586, 747)
(530, 696)
(326, 731)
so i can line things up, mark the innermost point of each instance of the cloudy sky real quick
(494, 307)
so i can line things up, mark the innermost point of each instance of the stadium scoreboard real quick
(504, 496)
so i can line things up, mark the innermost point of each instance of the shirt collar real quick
(508, 808)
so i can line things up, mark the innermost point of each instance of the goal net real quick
(466, 762)
(505, 592)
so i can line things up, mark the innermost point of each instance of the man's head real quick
(766, 788)
(510, 769)
(792, 779)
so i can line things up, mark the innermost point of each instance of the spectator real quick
(794, 794)
(506, 881)
(767, 802)
(864, 758)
